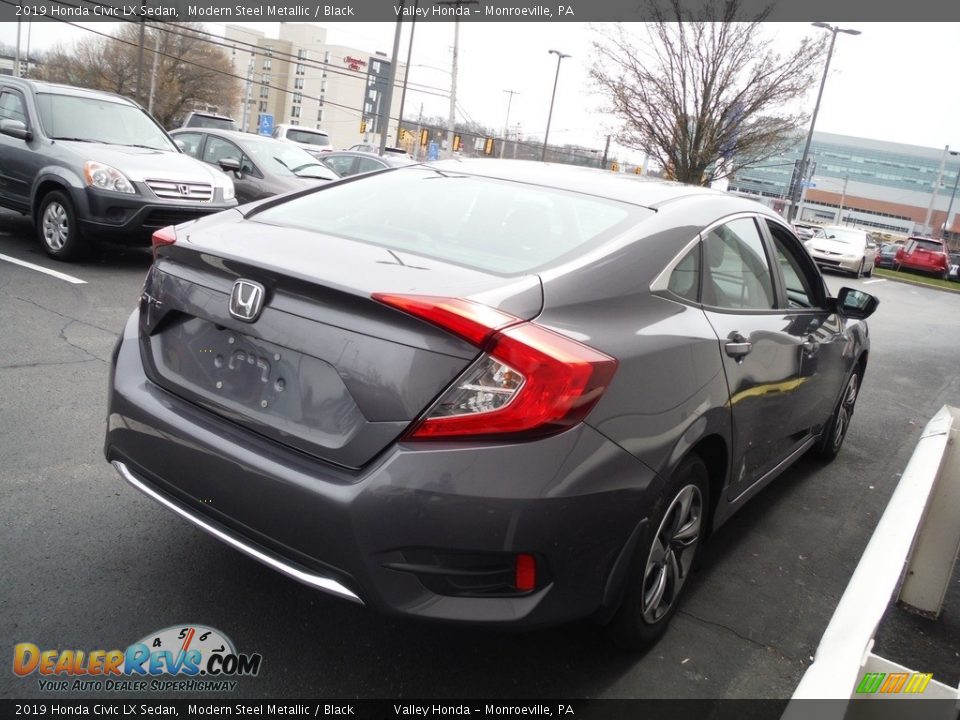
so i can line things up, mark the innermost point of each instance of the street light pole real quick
(796, 191)
(16, 54)
(953, 194)
(406, 73)
(546, 135)
(506, 123)
(387, 98)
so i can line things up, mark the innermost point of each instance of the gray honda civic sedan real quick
(493, 392)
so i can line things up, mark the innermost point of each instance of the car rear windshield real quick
(927, 245)
(91, 119)
(214, 123)
(487, 224)
(308, 138)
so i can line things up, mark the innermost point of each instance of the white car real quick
(843, 248)
(315, 142)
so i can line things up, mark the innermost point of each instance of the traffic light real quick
(363, 125)
(488, 147)
(614, 166)
(424, 136)
(456, 143)
(638, 170)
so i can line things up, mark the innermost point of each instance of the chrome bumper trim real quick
(319, 582)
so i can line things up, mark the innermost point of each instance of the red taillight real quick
(163, 236)
(530, 382)
(525, 572)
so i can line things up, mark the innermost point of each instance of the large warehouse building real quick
(873, 184)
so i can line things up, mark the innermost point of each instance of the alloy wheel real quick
(672, 553)
(845, 411)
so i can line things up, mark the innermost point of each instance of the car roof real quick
(235, 135)
(211, 115)
(628, 188)
(392, 160)
(288, 126)
(40, 86)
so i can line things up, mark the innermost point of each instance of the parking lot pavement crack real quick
(63, 336)
(48, 364)
(769, 648)
(65, 317)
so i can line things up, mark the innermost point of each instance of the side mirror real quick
(15, 128)
(230, 165)
(856, 304)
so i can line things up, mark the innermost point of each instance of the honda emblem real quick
(246, 300)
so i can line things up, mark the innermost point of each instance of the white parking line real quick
(868, 282)
(48, 271)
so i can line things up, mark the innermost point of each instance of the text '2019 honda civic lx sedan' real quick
(496, 392)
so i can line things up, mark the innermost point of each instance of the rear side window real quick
(685, 278)
(11, 107)
(737, 268)
(488, 224)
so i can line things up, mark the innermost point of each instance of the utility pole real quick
(843, 196)
(391, 79)
(16, 54)
(506, 123)
(936, 186)
(406, 71)
(29, 30)
(153, 74)
(953, 194)
(246, 95)
(143, 26)
(606, 152)
(416, 154)
(452, 118)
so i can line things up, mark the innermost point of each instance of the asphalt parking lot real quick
(89, 563)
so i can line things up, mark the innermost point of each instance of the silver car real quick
(842, 248)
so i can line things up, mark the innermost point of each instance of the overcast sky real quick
(895, 82)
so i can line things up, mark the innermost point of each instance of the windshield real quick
(69, 117)
(848, 237)
(308, 138)
(279, 158)
(492, 225)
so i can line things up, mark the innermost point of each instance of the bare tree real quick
(705, 95)
(191, 72)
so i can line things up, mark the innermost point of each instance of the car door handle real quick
(739, 348)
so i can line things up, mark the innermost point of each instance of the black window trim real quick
(804, 259)
(23, 99)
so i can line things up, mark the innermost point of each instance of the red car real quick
(924, 255)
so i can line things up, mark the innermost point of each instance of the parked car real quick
(347, 162)
(954, 273)
(315, 142)
(261, 166)
(805, 230)
(924, 255)
(886, 256)
(197, 119)
(87, 165)
(484, 391)
(842, 248)
(375, 149)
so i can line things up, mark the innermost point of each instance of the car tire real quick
(57, 227)
(664, 558)
(859, 273)
(869, 273)
(836, 429)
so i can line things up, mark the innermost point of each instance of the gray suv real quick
(88, 165)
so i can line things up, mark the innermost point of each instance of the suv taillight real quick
(529, 381)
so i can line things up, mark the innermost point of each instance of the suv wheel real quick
(57, 227)
(664, 558)
(836, 430)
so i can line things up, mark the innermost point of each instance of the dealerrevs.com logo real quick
(199, 658)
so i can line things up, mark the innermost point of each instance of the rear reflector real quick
(530, 382)
(525, 572)
(163, 236)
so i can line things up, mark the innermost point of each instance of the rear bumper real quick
(574, 501)
(133, 218)
(922, 267)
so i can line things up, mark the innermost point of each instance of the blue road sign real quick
(266, 124)
(433, 151)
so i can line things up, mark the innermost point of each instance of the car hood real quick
(139, 164)
(832, 246)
